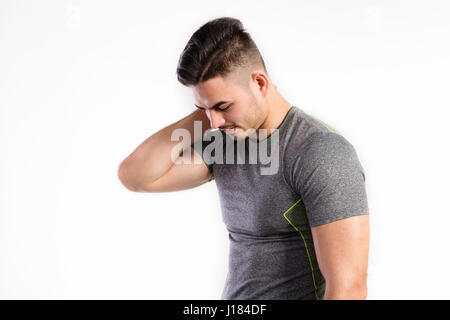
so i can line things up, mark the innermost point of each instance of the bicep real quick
(188, 171)
(342, 249)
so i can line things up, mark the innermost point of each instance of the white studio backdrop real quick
(82, 83)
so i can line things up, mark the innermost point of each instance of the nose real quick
(216, 119)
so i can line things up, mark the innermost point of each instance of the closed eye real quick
(226, 107)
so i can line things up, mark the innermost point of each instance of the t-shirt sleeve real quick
(329, 178)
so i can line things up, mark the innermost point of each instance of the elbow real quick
(124, 177)
(351, 289)
(358, 291)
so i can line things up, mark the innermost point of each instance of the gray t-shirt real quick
(269, 217)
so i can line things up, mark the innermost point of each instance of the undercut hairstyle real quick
(218, 48)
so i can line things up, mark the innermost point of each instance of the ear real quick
(262, 82)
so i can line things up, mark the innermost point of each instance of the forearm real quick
(153, 157)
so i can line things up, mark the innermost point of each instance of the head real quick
(221, 63)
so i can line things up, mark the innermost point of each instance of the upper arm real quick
(330, 179)
(342, 249)
(180, 175)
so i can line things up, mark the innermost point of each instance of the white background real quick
(82, 83)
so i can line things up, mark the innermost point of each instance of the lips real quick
(229, 130)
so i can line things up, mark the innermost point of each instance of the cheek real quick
(241, 118)
(234, 118)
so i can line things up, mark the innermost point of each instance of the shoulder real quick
(305, 130)
(323, 146)
(324, 155)
(310, 136)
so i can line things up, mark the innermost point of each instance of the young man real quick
(297, 231)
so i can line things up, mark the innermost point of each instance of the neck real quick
(277, 109)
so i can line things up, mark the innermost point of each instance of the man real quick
(299, 232)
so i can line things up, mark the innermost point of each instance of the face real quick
(243, 108)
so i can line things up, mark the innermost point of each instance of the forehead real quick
(209, 92)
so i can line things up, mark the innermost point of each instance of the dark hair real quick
(217, 48)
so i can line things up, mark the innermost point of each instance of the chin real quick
(239, 134)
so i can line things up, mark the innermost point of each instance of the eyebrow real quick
(218, 104)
